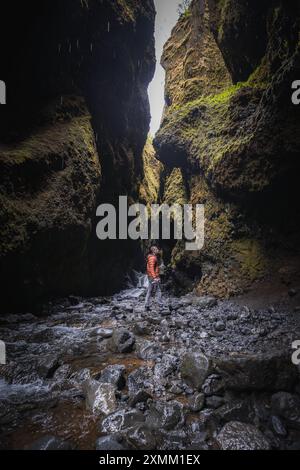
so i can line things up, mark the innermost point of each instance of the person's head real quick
(154, 250)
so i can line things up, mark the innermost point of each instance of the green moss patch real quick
(250, 254)
(175, 191)
(152, 168)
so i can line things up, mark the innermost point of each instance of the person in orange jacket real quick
(153, 276)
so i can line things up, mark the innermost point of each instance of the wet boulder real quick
(141, 437)
(122, 341)
(220, 326)
(257, 371)
(103, 333)
(166, 366)
(148, 350)
(278, 426)
(174, 440)
(205, 302)
(213, 385)
(214, 401)
(165, 415)
(175, 388)
(154, 319)
(47, 365)
(141, 328)
(232, 315)
(114, 375)
(139, 397)
(121, 420)
(287, 406)
(62, 373)
(79, 377)
(236, 410)
(194, 369)
(109, 443)
(100, 397)
(138, 379)
(196, 402)
(241, 436)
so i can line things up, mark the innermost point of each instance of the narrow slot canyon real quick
(90, 116)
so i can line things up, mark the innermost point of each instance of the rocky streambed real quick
(102, 373)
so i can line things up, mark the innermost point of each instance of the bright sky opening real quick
(166, 18)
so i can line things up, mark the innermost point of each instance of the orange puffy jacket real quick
(152, 267)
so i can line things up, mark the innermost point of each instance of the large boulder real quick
(114, 375)
(269, 371)
(137, 380)
(194, 369)
(148, 350)
(165, 415)
(122, 341)
(241, 436)
(141, 437)
(100, 397)
(204, 302)
(287, 406)
(121, 420)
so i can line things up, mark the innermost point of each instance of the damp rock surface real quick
(63, 379)
(241, 436)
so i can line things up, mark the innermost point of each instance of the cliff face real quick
(71, 136)
(230, 128)
(150, 186)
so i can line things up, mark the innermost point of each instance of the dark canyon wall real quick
(71, 136)
(230, 139)
(76, 122)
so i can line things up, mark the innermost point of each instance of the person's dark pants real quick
(153, 290)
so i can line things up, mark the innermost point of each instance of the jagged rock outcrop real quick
(71, 136)
(230, 128)
(149, 189)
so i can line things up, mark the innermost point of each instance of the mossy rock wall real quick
(229, 125)
(71, 137)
